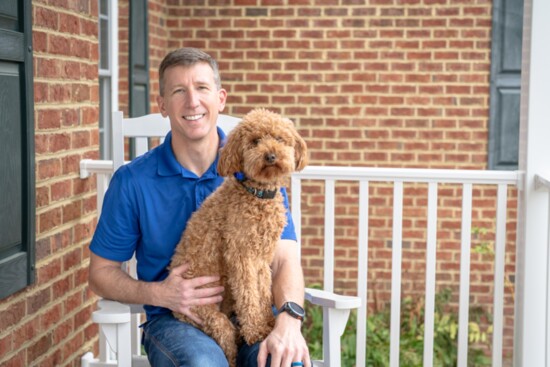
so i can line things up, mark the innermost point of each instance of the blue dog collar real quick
(260, 194)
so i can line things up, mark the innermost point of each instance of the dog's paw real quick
(230, 350)
(231, 355)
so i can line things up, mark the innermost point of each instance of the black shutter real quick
(139, 59)
(17, 194)
(505, 84)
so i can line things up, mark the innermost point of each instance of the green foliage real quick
(412, 335)
(483, 247)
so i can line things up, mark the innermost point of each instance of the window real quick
(139, 59)
(505, 84)
(17, 206)
(108, 72)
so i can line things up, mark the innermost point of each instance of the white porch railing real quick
(433, 178)
(398, 177)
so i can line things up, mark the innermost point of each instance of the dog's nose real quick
(270, 157)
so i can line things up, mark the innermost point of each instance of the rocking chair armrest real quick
(336, 311)
(113, 312)
(331, 300)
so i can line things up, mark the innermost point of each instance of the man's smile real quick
(193, 117)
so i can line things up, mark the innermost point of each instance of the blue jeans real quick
(170, 342)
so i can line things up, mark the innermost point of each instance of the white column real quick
(530, 337)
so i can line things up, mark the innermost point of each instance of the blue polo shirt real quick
(146, 209)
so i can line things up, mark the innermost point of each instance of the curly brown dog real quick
(235, 232)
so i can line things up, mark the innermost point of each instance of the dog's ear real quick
(230, 155)
(300, 149)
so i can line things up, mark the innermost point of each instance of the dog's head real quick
(264, 146)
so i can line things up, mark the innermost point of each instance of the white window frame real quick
(108, 78)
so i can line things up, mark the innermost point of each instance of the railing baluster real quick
(498, 300)
(296, 207)
(431, 247)
(362, 267)
(464, 302)
(396, 273)
(329, 236)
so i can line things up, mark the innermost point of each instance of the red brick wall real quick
(48, 323)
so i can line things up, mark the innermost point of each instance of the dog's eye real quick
(256, 141)
(279, 139)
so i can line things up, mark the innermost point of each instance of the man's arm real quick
(286, 343)
(108, 280)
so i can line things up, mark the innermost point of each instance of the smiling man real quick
(145, 211)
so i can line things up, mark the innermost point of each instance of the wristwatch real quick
(294, 310)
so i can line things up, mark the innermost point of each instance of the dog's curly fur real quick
(234, 234)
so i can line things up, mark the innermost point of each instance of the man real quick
(145, 211)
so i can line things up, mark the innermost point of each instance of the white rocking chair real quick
(120, 339)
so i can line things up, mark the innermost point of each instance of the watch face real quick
(294, 310)
(297, 309)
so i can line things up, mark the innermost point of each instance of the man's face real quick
(191, 100)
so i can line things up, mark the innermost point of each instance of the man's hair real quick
(187, 56)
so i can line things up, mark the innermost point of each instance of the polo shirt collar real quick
(169, 166)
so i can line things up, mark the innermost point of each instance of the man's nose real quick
(192, 98)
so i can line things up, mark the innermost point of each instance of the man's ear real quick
(222, 95)
(160, 104)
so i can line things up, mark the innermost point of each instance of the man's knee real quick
(169, 342)
(202, 355)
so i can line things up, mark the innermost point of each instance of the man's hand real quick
(180, 294)
(176, 293)
(285, 344)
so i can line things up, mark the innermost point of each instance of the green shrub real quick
(412, 335)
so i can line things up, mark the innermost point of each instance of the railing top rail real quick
(89, 166)
(425, 175)
(410, 175)
(542, 182)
